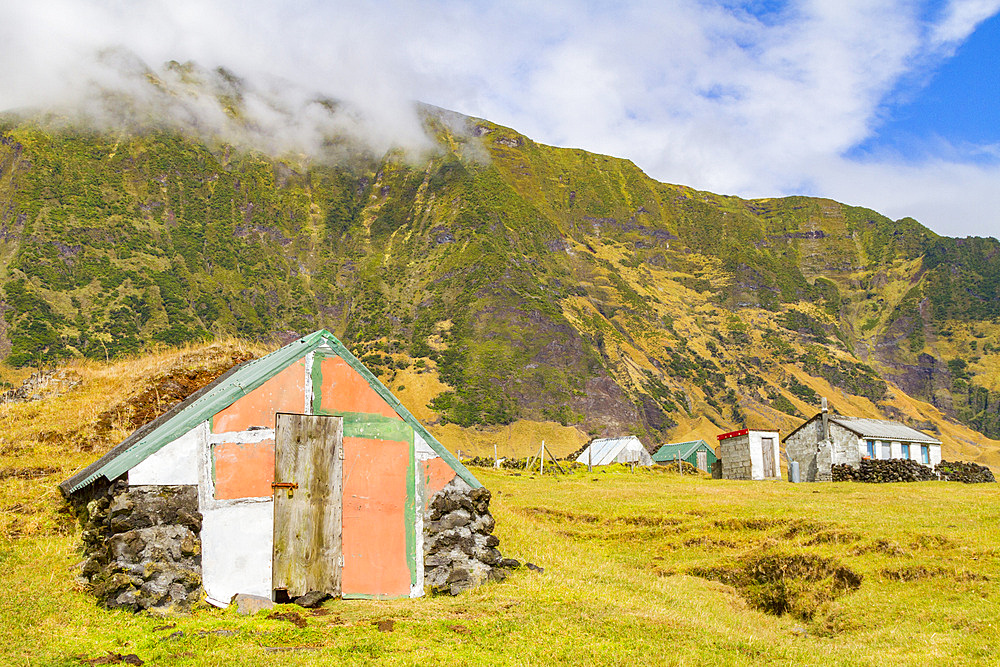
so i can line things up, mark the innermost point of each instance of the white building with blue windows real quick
(829, 439)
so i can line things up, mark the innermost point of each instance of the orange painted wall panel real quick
(285, 392)
(437, 474)
(374, 518)
(243, 470)
(344, 390)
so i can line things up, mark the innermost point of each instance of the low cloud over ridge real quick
(712, 95)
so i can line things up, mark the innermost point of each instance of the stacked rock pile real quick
(963, 471)
(685, 468)
(486, 462)
(143, 547)
(902, 470)
(460, 550)
(883, 471)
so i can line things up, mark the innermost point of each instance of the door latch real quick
(290, 486)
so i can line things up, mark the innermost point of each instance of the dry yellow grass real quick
(518, 440)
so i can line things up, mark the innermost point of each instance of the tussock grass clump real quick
(799, 584)
(752, 523)
(805, 526)
(887, 547)
(560, 515)
(913, 572)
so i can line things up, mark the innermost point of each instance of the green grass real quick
(618, 549)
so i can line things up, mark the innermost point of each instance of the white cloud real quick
(961, 17)
(704, 94)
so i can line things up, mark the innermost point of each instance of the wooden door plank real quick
(307, 520)
(767, 445)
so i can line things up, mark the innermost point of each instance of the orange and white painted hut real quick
(310, 475)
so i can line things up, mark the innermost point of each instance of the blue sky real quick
(956, 103)
(890, 104)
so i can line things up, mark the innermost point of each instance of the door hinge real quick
(340, 452)
(340, 560)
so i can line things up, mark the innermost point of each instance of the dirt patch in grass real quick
(292, 617)
(799, 584)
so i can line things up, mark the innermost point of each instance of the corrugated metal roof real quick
(605, 450)
(669, 452)
(225, 391)
(881, 429)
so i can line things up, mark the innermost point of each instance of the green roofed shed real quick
(695, 452)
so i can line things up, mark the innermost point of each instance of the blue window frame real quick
(871, 449)
(925, 454)
(906, 450)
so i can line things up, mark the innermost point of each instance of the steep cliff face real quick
(533, 281)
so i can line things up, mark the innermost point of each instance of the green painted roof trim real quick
(669, 452)
(226, 391)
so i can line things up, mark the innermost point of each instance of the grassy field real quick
(635, 571)
(639, 568)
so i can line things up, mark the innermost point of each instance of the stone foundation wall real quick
(143, 547)
(460, 550)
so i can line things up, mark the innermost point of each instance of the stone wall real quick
(962, 471)
(816, 457)
(460, 550)
(905, 470)
(804, 446)
(883, 471)
(735, 456)
(143, 546)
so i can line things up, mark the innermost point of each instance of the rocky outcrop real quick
(43, 384)
(460, 550)
(143, 547)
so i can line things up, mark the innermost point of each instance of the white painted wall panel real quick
(236, 546)
(176, 463)
(421, 449)
(417, 587)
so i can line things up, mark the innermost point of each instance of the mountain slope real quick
(506, 278)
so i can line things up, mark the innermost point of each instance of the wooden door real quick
(308, 483)
(767, 444)
(703, 461)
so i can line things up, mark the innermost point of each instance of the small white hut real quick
(749, 454)
(605, 451)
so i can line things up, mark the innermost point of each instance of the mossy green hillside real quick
(539, 282)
